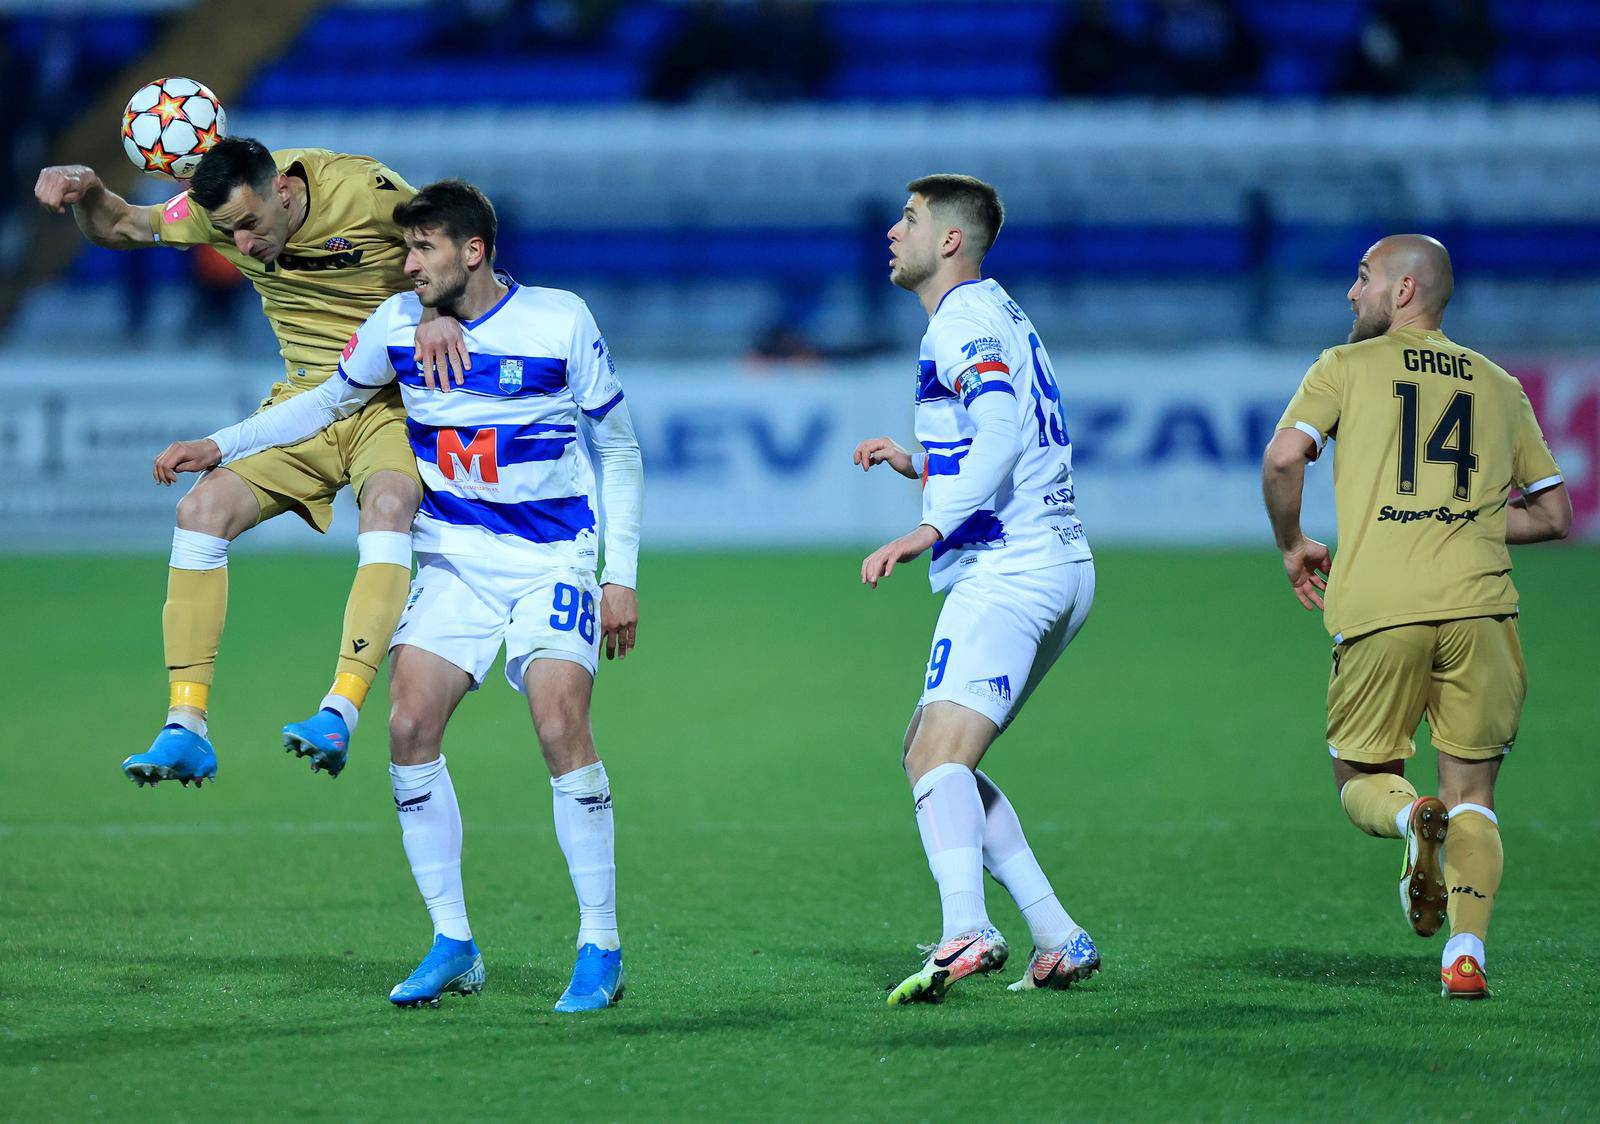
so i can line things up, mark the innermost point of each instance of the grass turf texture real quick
(226, 953)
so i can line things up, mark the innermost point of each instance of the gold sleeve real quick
(1534, 465)
(1316, 406)
(181, 222)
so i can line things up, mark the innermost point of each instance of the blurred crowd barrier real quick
(1166, 447)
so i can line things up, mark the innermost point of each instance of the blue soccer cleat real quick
(450, 965)
(597, 980)
(323, 737)
(178, 754)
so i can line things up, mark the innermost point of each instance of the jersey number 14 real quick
(1449, 442)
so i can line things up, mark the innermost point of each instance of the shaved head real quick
(1424, 260)
(1404, 279)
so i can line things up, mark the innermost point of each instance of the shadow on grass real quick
(1319, 966)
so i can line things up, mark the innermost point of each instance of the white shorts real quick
(999, 633)
(463, 608)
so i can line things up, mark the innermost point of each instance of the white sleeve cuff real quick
(1541, 485)
(1314, 433)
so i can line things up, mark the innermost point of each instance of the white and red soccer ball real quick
(171, 123)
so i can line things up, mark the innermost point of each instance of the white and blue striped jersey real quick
(501, 461)
(505, 466)
(979, 343)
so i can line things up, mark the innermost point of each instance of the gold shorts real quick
(1466, 675)
(304, 478)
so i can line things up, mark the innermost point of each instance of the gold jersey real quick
(1430, 438)
(344, 261)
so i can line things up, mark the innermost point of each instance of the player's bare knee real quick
(388, 502)
(213, 507)
(562, 726)
(414, 735)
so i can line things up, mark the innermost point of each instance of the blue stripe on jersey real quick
(957, 444)
(497, 376)
(987, 387)
(599, 412)
(982, 526)
(946, 464)
(929, 388)
(514, 444)
(552, 520)
(352, 382)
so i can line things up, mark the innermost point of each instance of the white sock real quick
(582, 804)
(1402, 820)
(1463, 944)
(950, 819)
(189, 720)
(430, 828)
(344, 708)
(1010, 861)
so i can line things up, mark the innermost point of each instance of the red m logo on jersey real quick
(475, 460)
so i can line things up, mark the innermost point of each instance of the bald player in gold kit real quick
(1431, 438)
(313, 231)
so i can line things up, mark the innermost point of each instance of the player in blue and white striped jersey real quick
(999, 514)
(506, 545)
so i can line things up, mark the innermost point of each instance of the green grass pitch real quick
(225, 954)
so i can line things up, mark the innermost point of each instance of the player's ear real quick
(952, 242)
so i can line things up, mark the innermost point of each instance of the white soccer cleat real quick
(970, 953)
(1060, 967)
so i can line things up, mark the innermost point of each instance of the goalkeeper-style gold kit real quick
(1430, 440)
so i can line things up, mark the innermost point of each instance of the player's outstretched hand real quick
(62, 185)
(881, 562)
(619, 620)
(1307, 564)
(441, 352)
(186, 456)
(883, 450)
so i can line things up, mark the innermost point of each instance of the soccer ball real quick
(170, 124)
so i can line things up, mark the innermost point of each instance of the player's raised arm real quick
(106, 218)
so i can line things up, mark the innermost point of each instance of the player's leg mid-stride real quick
(222, 506)
(383, 573)
(559, 692)
(426, 690)
(216, 511)
(968, 826)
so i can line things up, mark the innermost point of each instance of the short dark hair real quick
(455, 207)
(977, 203)
(232, 162)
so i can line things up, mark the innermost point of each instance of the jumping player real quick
(314, 232)
(507, 549)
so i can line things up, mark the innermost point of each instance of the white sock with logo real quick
(950, 819)
(1010, 861)
(430, 829)
(584, 828)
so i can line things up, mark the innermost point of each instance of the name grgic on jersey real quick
(505, 474)
(980, 342)
(1431, 437)
(346, 258)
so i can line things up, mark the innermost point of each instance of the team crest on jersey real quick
(510, 374)
(337, 244)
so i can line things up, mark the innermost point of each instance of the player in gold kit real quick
(1431, 438)
(314, 232)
